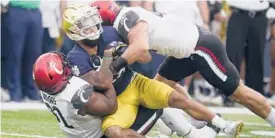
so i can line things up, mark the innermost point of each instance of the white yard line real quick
(263, 133)
(25, 135)
(257, 124)
(241, 135)
(232, 110)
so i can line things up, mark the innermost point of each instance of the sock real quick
(174, 119)
(219, 122)
(271, 118)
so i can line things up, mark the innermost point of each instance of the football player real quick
(79, 106)
(138, 92)
(189, 48)
(76, 104)
(83, 56)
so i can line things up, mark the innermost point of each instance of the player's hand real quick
(119, 51)
(114, 71)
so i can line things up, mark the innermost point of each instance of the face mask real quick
(90, 43)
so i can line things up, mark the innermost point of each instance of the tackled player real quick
(86, 23)
(189, 48)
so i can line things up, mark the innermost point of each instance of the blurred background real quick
(30, 28)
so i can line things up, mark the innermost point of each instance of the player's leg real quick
(115, 125)
(118, 132)
(173, 70)
(177, 122)
(212, 62)
(146, 119)
(155, 94)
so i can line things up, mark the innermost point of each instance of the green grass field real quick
(34, 123)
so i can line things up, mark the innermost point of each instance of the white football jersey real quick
(64, 106)
(169, 35)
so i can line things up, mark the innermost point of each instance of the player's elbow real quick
(145, 58)
(112, 107)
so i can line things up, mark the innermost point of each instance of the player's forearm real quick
(112, 98)
(98, 80)
(133, 54)
(138, 43)
(145, 58)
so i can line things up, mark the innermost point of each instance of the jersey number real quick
(56, 112)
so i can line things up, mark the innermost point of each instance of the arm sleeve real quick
(81, 96)
(126, 20)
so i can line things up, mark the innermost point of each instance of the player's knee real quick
(244, 94)
(177, 100)
(114, 132)
(240, 93)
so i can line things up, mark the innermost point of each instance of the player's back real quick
(63, 106)
(168, 34)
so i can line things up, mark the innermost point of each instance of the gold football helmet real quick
(82, 21)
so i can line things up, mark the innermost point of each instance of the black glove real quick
(119, 51)
(118, 64)
(95, 61)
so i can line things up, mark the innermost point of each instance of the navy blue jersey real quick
(80, 58)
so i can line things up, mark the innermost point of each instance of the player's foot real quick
(233, 129)
(215, 128)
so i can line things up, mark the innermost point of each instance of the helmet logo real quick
(53, 66)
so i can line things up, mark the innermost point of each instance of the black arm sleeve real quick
(127, 22)
(81, 97)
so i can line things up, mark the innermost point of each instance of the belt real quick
(251, 14)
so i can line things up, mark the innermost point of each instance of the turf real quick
(43, 123)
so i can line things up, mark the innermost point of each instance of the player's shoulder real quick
(81, 59)
(126, 19)
(73, 85)
(77, 92)
(127, 14)
(81, 96)
(77, 53)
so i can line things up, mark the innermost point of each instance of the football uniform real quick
(189, 48)
(169, 35)
(145, 118)
(65, 105)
